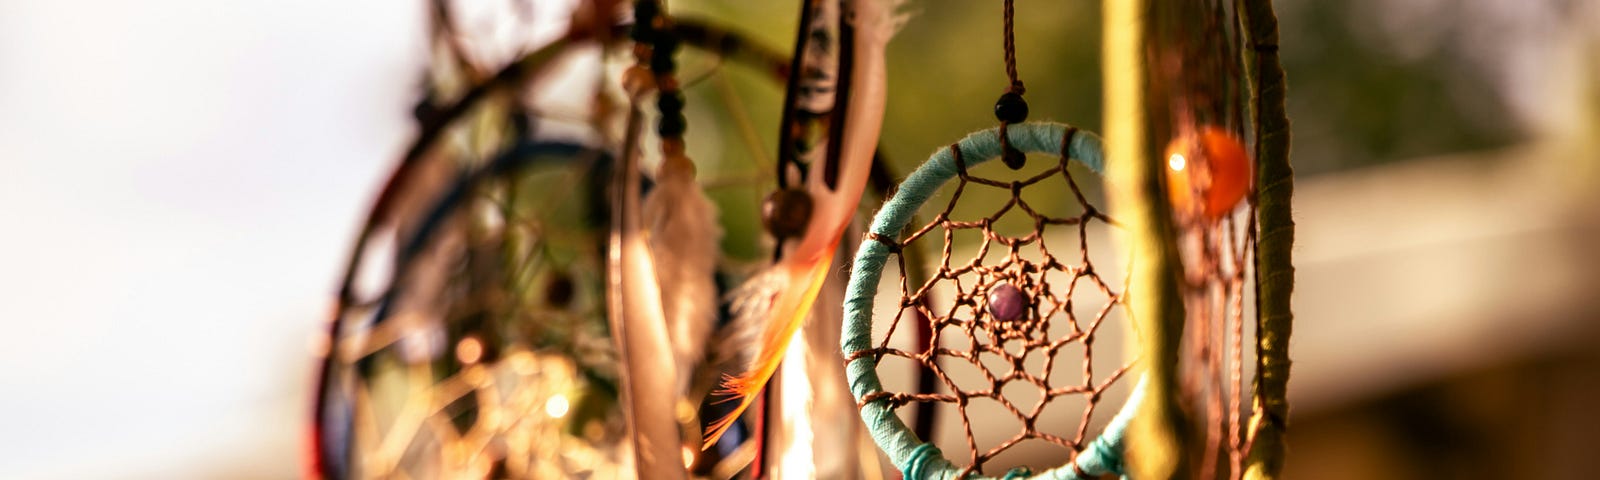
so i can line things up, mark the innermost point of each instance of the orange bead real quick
(1208, 173)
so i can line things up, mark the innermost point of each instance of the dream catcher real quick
(486, 349)
(480, 351)
(1031, 290)
(1017, 337)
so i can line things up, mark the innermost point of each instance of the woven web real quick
(1218, 270)
(1026, 364)
(489, 357)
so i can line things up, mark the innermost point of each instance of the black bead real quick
(672, 125)
(661, 61)
(1011, 108)
(642, 34)
(670, 102)
(426, 113)
(644, 14)
(786, 213)
(560, 291)
(645, 11)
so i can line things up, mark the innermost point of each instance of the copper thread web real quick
(984, 334)
(1217, 266)
(487, 415)
(475, 403)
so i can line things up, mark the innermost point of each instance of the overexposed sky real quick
(178, 186)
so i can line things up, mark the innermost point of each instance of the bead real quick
(1208, 173)
(645, 11)
(1011, 108)
(425, 112)
(675, 164)
(637, 80)
(672, 147)
(672, 125)
(644, 14)
(670, 102)
(668, 83)
(1006, 302)
(559, 290)
(661, 60)
(641, 35)
(667, 42)
(786, 213)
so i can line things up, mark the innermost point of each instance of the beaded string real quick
(653, 49)
(786, 211)
(1011, 108)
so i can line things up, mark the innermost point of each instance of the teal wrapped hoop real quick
(915, 458)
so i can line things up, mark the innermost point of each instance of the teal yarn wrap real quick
(915, 458)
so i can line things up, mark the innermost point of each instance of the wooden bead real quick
(786, 213)
(637, 80)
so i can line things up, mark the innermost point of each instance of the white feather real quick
(685, 239)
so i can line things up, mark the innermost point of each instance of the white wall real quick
(178, 183)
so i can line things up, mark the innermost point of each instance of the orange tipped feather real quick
(775, 337)
(781, 297)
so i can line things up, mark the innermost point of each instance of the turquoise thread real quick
(917, 466)
(915, 458)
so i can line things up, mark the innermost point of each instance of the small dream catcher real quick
(1012, 318)
(1018, 334)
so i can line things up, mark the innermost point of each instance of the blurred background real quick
(181, 180)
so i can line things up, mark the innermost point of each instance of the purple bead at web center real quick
(1006, 302)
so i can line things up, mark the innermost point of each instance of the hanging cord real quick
(655, 43)
(1011, 50)
(1011, 108)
